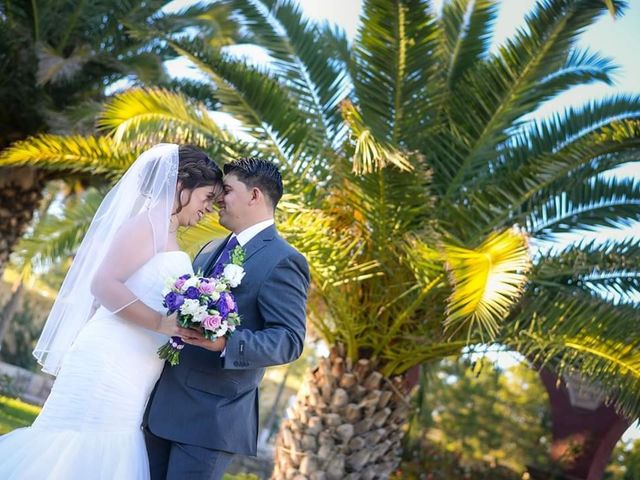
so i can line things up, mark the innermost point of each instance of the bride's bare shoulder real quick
(140, 224)
(136, 231)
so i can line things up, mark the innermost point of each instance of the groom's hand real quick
(193, 337)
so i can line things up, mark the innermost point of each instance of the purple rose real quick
(218, 271)
(226, 304)
(192, 293)
(231, 303)
(173, 301)
(222, 306)
(186, 276)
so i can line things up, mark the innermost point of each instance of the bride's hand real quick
(168, 325)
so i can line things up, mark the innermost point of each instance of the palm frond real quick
(147, 67)
(615, 8)
(195, 90)
(94, 155)
(601, 164)
(338, 268)
(57, 237)
(418, 292)
(335, 38)
(425, 261)
(261, 29)
(581, 68)
(412, 351)
(392, 64)
(257, 99)
(333, 258)
(487, 281)
(214, 22)
(585, 334)
(467, 27)
(564, 129)
(610, 270)
(597, 203)
(497, 92)
(370, 154)
(562, 153)
(305, 56)
(389, 203)
(613, 365)
(153, 114)
(55, 68)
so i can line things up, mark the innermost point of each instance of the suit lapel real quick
(254, 245)
(258, 242)
(208, 260)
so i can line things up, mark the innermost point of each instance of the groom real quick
(205, 409)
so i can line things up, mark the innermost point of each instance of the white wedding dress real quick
(90, 426)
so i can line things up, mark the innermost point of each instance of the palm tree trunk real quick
(20, 194)
(347, 423)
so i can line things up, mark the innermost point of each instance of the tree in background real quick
(56, 60)
(483, 413)
(26, 324)
(415, 186)
(625, 462)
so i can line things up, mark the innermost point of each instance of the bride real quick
(105, 359)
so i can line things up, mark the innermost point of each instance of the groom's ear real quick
(256, 196)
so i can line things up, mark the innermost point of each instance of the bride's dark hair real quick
(195, 169)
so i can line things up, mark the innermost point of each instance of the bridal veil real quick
(145, 194)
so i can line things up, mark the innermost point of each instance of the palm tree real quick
(416, 183)
(56, 60)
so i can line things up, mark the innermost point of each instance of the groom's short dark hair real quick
(257, 172)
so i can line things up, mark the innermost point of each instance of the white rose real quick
(222, 329)
(233, 274)
(215, 296)
(190, 307)
(200, 313)
(191, 282)
(220, 287)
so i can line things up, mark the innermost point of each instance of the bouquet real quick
(203, 303)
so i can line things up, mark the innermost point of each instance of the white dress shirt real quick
(248, 233)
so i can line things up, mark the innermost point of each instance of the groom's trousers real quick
(177, 461)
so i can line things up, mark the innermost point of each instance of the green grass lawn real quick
(16, 414)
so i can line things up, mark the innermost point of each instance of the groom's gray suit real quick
(211, 402)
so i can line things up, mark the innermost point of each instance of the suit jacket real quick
(211, 401)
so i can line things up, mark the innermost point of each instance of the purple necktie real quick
(225, 256)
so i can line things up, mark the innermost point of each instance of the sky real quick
(617, 39)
